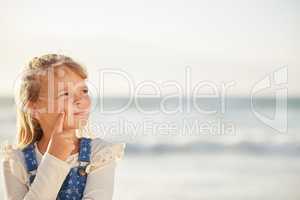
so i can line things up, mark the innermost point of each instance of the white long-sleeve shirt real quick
(52, 172)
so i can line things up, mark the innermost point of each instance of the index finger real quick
(59, 125)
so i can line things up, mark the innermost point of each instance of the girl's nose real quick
(81, 100)
(78, 99)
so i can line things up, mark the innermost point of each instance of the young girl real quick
(54, 158)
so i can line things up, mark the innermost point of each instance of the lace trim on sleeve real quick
(112, 152)
(10, 154)
(7, 151)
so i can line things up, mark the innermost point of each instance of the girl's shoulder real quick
(10, 152)
(104, 152)
(13, 160)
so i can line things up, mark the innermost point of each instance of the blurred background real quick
(205, 93)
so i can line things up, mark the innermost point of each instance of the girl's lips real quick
(80, 113)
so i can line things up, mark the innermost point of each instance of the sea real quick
(235, 148)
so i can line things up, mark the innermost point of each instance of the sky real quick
(219, 41)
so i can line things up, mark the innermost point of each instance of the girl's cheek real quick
(88, 103)
(61, 105)
(52, 107)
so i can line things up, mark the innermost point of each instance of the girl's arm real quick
(49, 178)
(100, 183)
(101, 170)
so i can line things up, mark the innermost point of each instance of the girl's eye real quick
(85, 91)
(64, 94)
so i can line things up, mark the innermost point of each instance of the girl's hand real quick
(61, 143)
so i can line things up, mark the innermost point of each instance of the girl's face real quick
(63, 91)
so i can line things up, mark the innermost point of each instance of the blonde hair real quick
(28, 128)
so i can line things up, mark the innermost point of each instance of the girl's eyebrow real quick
(65, 88)
(62, 90)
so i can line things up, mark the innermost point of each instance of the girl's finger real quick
(60, 122)
(69, 140)
(68, 134)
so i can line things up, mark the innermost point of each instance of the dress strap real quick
(84, 154)
(85, 149)
(30, 161)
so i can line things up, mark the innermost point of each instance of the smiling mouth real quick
(82, 113)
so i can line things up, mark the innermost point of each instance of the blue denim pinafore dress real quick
(74, 184)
